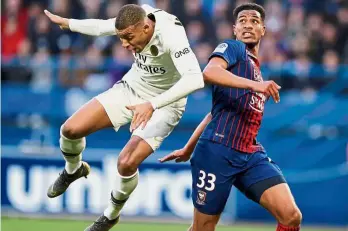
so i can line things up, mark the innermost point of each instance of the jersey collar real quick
(253, 57)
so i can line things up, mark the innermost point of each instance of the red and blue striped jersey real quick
(236, 113)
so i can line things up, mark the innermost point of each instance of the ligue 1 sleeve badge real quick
(201, 196)
(154, 50)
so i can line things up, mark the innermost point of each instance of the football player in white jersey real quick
(151, 96)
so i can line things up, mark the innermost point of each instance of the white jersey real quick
(158, 66)
(161, 64)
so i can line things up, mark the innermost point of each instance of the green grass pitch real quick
(22, 224)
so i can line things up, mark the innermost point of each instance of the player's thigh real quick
(115, 101)
(160, 125)
(260, 174)
(279, 201)
(108, 109)
(90, 118)
(203, 221)
(264, 183)
(212, 177)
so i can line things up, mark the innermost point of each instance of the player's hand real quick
(63, 23)
(181, 155)
(142, 114)
(270, 88)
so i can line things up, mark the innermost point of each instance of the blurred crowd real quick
(306, 41)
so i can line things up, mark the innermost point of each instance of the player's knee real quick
(126, 165)
(292, 217)
(71, 131)
(208, 225)
(204, 222)
(71, 146)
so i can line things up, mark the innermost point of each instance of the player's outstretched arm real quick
(215, 73)
(184, 154)
(93, 27)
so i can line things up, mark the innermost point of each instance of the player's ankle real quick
(111, 213)
(71, 168)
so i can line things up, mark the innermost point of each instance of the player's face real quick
(135, 38)
(249, 27)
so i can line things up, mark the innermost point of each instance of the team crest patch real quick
(154, 50)
(201, 196)
(221, 47)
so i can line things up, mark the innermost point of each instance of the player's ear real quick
(234, 30)
(263, 32)
(146, 27)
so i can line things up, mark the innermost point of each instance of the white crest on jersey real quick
(221, 48)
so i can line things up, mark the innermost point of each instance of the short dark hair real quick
(249, 6)
(129, 15)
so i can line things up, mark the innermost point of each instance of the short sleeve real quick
(230, 51)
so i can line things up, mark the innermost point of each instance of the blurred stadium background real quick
(47, 74)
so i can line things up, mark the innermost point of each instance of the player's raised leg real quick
(90, 118)
(279, 201)
(139, 147)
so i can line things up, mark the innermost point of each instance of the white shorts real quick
(158, 127)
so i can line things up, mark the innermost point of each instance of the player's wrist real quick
(154, 106)
(253, 86)
(187, 149)
(70, 22)
(66, 23)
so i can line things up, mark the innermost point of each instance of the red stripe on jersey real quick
(238, 127)
(245, 121)
(218, 124)
(245, 73)
(228, 115)
(223, 130)
(231, 128)
(243, 145)
(251, 129)
(256, 118)
(238, 76)
(238, 73)
(243, 140)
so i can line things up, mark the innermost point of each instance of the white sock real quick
(72, 166)
(72, 152)
(125, 186)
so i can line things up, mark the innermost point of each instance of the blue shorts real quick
(216, 167)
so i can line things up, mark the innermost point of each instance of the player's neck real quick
(254, 49)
